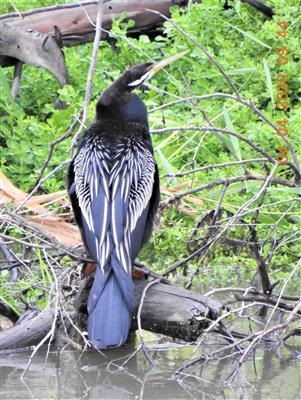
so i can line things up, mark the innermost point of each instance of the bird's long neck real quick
(124, 107)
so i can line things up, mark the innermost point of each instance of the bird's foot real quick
(139, 273)
(88, 269)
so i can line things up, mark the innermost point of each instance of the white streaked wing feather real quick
(137, 178)
(90, 171)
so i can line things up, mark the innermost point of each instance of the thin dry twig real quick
(200, 46)
(228, 181)
(261, 334)
(91, 71)
(209, 167)
(52, 146)
(153, 282)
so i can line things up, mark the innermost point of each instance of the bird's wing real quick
(91, 181)
(153, 206)
(131, 182)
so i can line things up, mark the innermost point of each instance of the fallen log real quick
(32, 47)
(29, 332)
(73, 24)
(76, 22)
(174, 311)
(166, 309)
(35, 37)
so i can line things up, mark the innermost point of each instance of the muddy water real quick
(272, 373)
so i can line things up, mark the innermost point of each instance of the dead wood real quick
(35, 37)
(73, 24)
(167, 309)
(29, 332)
(31, 47)
(174, 311)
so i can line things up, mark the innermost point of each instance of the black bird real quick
(113, 185)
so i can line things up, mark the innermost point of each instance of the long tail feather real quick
(109, 318)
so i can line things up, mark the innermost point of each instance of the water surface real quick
(124, 373)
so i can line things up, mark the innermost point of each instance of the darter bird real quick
(113, 185)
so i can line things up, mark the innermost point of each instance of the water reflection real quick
(125, 374)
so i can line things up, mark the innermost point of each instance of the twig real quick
(204, 358)
(90, 72)
(49, 242)
(210, 230)
(262, 300)
(38, 346)
(53, 172)
(16, 79)
(259, 335)
(195, 97)
(217, 129)
(249, 104)
(11, 260)
(52, 146)
(229, 181)
(209, 167)
(200, 46)
(261, 265)
(230, 289)
(282, 290)
(150, 284)
(249, 211)
(11, 239)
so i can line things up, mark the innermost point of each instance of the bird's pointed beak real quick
(155, 67)
(162, 64)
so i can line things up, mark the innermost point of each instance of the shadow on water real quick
(125, 374)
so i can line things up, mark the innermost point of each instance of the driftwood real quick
(76, 22)
(73, 24)
(29, 332)
(166, 309)
(35, 37)
(32, 48)
(174, 311)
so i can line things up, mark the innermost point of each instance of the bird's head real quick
(118, 101)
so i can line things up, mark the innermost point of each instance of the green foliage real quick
(243, 42)
(30, 290)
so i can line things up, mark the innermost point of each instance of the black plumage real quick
(113, 185)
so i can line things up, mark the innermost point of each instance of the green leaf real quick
(268, 80)
(164, 162)
(241, 71)
(234, 148)
(250, 36)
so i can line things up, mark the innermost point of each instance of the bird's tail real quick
(110, 303)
